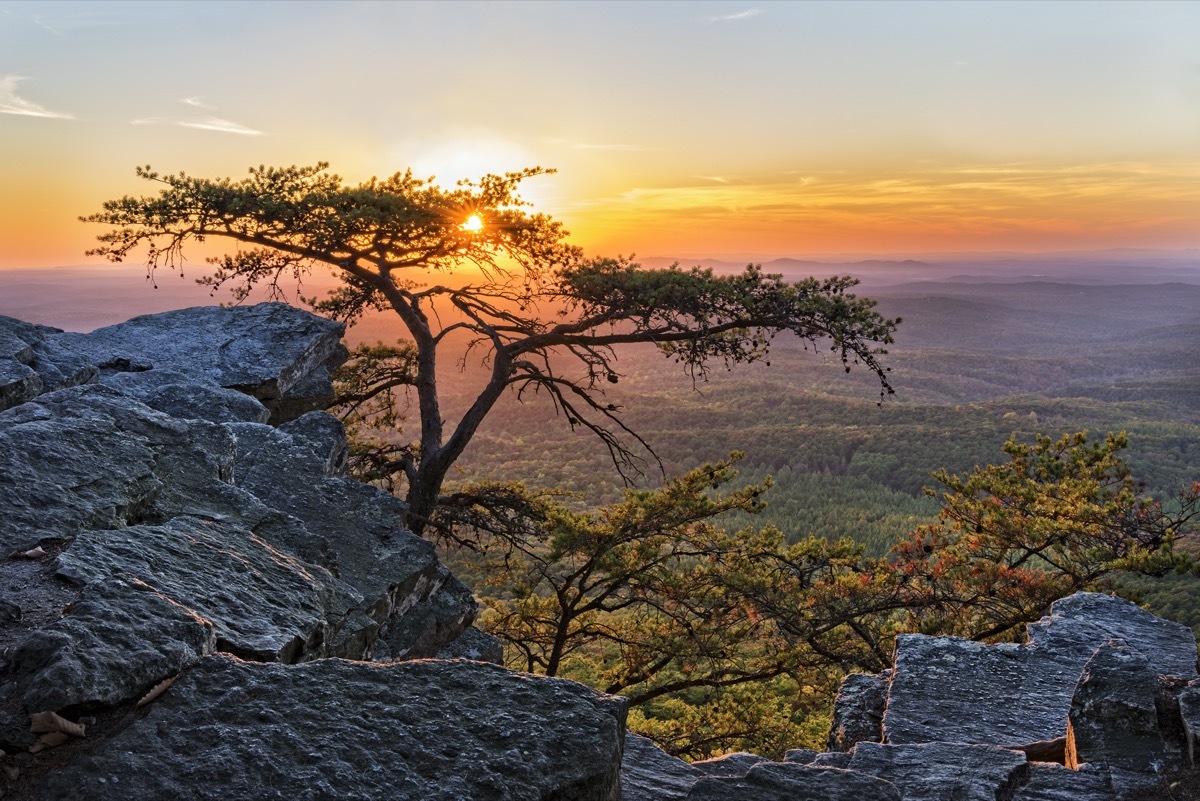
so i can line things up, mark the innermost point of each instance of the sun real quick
(473, 224)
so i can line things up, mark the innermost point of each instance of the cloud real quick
(10, 103)
(740, 15)
(223, 126)
(194, 102)
(206, 124)
(589, 146)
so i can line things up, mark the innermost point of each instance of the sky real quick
(686, 129)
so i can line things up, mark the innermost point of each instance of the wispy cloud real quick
(223, 126)
(207, 124)
(194, 102)
(616, 147)
(11, 103)
(736, 17)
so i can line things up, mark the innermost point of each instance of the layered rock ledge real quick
(1101, 703)
(176, 526)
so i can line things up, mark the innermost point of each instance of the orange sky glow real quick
(678, 129)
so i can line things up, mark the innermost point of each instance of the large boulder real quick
(1018, 695)
(1114, 715)
(32, 361)
(334, 729)
(269, 351)
(775, 781)
(121, 638)
(936, 771)
(650, 774)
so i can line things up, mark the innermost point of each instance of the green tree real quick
(542, 317)
(1062, 515)
(707, 631)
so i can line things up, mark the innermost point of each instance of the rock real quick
(221, 572)
(956, 690)
(801, 756)
(650, 774)
(264, 350)
(939, 770)
(120, 638)
(394, 570)
(179, 395)
(1086, 620)
(32, 361)
(89, 457)
(334, 729)
(1189, 713)
(9, 612)
(18, 383)
(475, 645)
(858, 710)
(430, 624)
(326, 436)
(775, 781)
(737, 764)
(1114, 719)
(832, 759)
(1050, 782)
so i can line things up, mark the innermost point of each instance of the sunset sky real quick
(688, 129)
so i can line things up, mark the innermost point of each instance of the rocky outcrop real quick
(176, 512)
(273, 352)
(340, 729)
(1101, 703)
(1020, 694)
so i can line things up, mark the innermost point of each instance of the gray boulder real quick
(956, 690)
(395, 571)
(266, 350)
(1114, 716)
(180, 395)
(265, 605)
(334, 729)
(944, 771)
(777, 781)
(476, 645)
(858, 710)
(120, 638)
(89, 457)
(650, 774)
(32, 361)
(1052, 782)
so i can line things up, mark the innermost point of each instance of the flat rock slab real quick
(223, 573)
(944, 771)
(181, 395)
(650, 774)
(32, 361)
(955, 690)
(1050, 782)
(90, 457)
(119, 639)
(778, 781)
(431, 730)
(263, 350)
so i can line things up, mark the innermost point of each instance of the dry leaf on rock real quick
(33, 553)
(48, 722)
(49, 740)
(156, 690)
